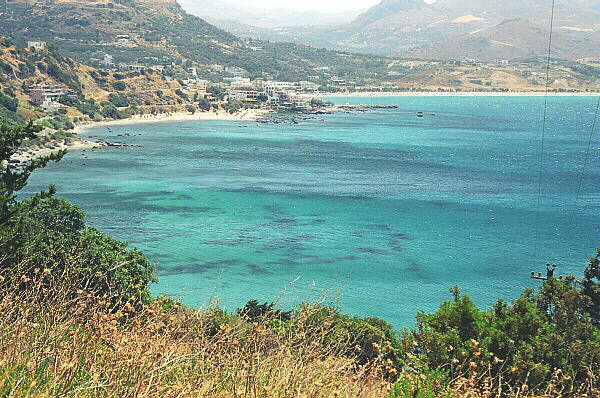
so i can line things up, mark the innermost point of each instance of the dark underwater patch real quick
(180, 209)
(418, 269)
(287, 260)
(284, 221)
(372, 250)
(290, 243)
(396, 246)
(380, 227)
(146, 195)
(413, 265)
(257, 269)
(320, 260)
(240, 241)
(196, 268)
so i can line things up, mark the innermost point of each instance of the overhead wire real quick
(542, 149)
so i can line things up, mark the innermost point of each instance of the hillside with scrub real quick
(77, 319)
(93, 94)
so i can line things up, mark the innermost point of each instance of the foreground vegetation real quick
(76, 319)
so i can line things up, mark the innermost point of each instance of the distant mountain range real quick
(451, 29)
(224, 10)
(161, 32)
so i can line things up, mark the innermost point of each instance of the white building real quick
(216, 68)
(124, 41)
(299, 101)
(246, 94)
(308, 86)
(236, 70)
(38, 45)
(107, 60)
(271, 87)
(235, 82)
(132, 67)
(289, 99)
(258, 84)
(46, 95)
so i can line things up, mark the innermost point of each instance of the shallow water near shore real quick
(388, 209)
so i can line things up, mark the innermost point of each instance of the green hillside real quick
(162, 32)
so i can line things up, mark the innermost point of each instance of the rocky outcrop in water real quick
(295, 116)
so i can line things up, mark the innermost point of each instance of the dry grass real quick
(74, 345)
(56, 342)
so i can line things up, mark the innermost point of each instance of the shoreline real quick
(456, 94)
(78, 143)
(248, 115)
(71, 143)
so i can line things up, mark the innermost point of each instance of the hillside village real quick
(230, 84)
(145, 88)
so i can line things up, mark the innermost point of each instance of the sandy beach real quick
(245, 115)
(456, 94)
(76, 143)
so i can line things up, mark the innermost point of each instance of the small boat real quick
(419, 114)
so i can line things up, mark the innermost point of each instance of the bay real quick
(378, 212)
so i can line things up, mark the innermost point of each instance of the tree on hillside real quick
(204, 104)
(119, 85)
(13, 179)
(217, 92)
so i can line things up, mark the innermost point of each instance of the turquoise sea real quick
(381, 212)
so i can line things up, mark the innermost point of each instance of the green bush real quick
(525, 342)
(109, 110)
(591, 287)
(9, 103)
(253, 311)
(204, 104)
(87, 107)
(118, 99)
(119, 85)
(181, 94)
(363, 338)
(10, 91)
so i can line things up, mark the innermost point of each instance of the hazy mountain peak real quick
(385, 9)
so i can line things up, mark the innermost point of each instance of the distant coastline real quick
(456, 94)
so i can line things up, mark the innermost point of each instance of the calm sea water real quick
(382, 212)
